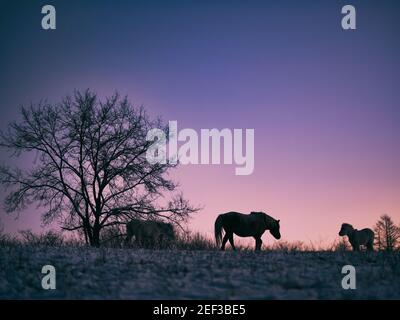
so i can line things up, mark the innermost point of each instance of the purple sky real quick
(323, 101)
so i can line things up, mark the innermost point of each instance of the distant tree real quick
(387, 234)
(91, 170)
(379, 242)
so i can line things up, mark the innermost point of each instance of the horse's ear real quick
(279, 221)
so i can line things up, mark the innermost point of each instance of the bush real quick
(112, 237)
(49, 238)
(194, 241)
(6, 240)
(287, 246)
(341, 245)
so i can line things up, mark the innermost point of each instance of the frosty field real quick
(87, 273)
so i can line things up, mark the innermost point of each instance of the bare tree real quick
(379, 237)
(387, 234)
(92, 171)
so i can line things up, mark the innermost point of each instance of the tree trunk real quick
(95, 236)
(88, 232)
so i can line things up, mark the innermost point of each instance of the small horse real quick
(149, 233)
(358, 238)
(244, 225)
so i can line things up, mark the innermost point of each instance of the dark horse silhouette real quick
(244, 225)
(358, 238)
(149, 233)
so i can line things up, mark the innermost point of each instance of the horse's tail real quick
(218, 229)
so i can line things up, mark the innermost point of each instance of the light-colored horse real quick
(149, 233)
(358, 238)
(244, 225)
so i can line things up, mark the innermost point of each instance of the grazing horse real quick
(358, 238)
(244, 225)
(149, 233)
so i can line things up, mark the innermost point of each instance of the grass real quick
(111, 273)
(184, 241)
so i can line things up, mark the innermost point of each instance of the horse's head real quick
(273, 226)
(345, 229)
(270, 223)
(275, 229)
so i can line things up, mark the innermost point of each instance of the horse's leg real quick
(226, 237)
(138, 240)
(231, 241)
(127, 240)
(258, 243)
(153, 242)
(142, 240)
(160, 240)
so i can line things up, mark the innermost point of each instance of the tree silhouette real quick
(92, 171)
(387, 234)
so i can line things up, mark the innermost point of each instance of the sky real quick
(324, 102)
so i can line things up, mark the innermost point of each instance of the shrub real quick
(49, 238)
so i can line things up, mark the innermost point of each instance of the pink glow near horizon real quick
(324, 103)
(310, 213)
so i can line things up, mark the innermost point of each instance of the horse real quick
(244, 225)
(358, 238)
(149, 233)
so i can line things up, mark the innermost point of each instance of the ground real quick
(89, 273)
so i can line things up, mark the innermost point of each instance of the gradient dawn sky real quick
(324, 102)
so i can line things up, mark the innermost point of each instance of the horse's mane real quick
(263, 214)
(257, 213)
